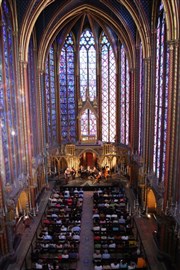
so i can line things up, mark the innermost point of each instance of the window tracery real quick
(108, 73)
(161, 97)
(8, 99)
(51, 97)
(124, 98)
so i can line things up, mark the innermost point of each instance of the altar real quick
(88, 154)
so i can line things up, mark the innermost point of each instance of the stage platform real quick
(91, 183)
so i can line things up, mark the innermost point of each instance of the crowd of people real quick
(57, 244)
(115, 246)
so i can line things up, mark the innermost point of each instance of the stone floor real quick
(144, 226)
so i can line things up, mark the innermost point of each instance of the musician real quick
(82, 172)
(95, 172)
(106, 172)
(73, 173)
(67, 173)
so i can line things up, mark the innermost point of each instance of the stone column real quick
(132, 110)
(170, 170)
(147, 111)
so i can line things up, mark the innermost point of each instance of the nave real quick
(96, 233)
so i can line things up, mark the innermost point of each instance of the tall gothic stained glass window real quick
(124, 98)
(108, 73)
(87, 62)
(8, 99)
(51, 97)
(67, 91)
(87, 55)
(161, 97)
(88, 125)
(141, 100)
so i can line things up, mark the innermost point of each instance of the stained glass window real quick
(141, 101)
(51, 97)
(67, 91)
(88, 125)
(33, 99)
(124, 98)
(161, 97)
(87, 62)
(108, 73)
(8, 99)
(87, 65)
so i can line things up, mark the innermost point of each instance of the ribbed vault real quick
(122, 16)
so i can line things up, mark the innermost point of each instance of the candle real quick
(17, 212)
(176, 205)
(34, 212)
(130, 211)
(20, 207)
(30, 205)
(167, 204)
(144, 206)
(37, 207)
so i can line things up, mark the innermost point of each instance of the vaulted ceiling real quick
(54, 18)
(120, 19)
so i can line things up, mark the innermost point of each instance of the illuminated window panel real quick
(88, 125)
(67, 91)
(161, 98)
(108, 74)
(124, 98)
(8, 96)
(51, 98)
(87, 55)
(141, 102)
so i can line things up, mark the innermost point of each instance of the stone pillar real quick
(170, 170)
(26, 116)
(147, 111)
(132, 108)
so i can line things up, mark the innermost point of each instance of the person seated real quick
(115, 265)
(47, 236)
(106, 254)
(94, 172)
(54, 215)
(73, 255)
(124, 237)
(62, 237)
(132, 265)
(66, 194)
(95, 216)
(76, 229)
(76, 237)
(122, 220)
(106, 172)
(112, 244)
(38, 265)
(96, 228)
(97, 254)
(73, 173)
(67, 173)
(65, 255)
(98, 266)
(63, 228)
(123, 264)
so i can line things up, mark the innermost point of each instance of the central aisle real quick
(86, 247)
